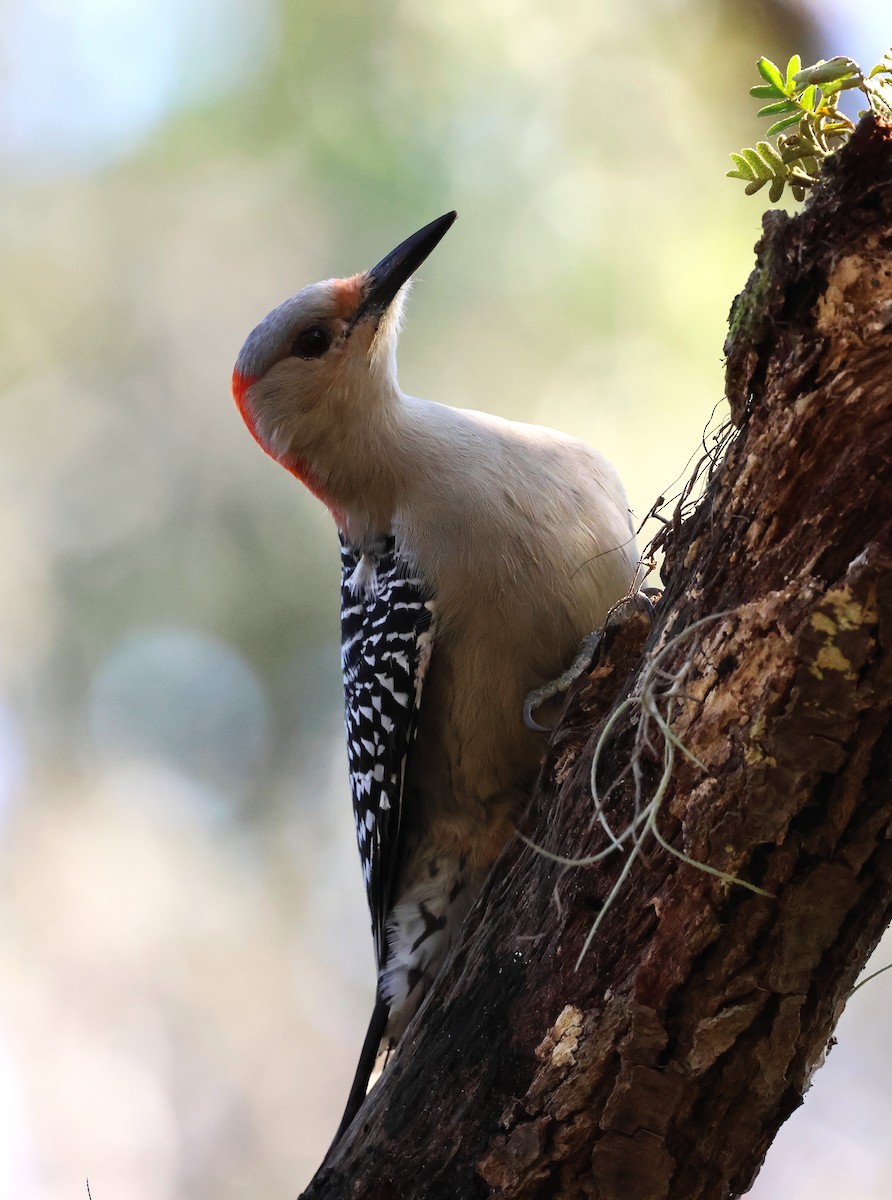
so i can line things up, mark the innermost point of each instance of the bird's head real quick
(326, 357)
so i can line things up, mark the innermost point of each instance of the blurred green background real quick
(185, 961)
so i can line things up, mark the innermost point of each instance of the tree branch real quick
(664, 1065)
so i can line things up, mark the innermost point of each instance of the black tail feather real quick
(364, 1068)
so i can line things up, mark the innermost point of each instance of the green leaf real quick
(841, 85)
(880, 103)
(829, 90)
(770, 73)
(827, 72)
(771, 157)
(761, 169)
(808, 98)
(778, 126)
(785, 106)
(809, 125)
(743, 167)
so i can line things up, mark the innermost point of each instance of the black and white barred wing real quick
(386, 639)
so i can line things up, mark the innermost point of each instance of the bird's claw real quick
(644, 603)
(580, 664)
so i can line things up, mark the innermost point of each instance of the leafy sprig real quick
(806, 120)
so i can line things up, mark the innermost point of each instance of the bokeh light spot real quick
(186, 700)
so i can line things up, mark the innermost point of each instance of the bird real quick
(476, 553)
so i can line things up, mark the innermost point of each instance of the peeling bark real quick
(662, 1068)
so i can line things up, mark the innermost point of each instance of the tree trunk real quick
(757, 741)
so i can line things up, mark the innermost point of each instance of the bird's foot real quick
(582, 663)
(556, 687)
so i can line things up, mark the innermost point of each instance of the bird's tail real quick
(365, 1066)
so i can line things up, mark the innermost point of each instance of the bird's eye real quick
(312, 342)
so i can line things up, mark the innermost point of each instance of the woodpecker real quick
(476, 554)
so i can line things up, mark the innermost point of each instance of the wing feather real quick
(387, 628)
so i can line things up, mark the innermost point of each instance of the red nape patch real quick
(299, 469)
(240, 385)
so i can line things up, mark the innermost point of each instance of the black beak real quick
(385, 280)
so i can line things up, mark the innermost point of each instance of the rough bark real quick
(664, 1065)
